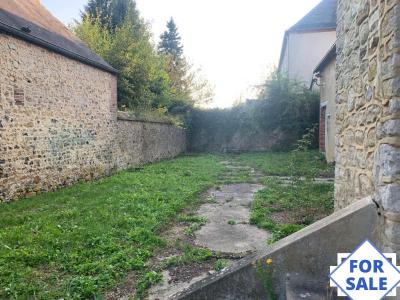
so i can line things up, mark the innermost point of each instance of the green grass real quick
(301, 203)
(310, 163)
(78, 242)
(194, 222)
(190, 254)
(298, 202)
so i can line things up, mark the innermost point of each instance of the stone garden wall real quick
(368, 108)
(58, 123)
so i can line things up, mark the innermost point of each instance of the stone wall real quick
(239, 141)
(368, 107)
(58, 123)
(139, 142)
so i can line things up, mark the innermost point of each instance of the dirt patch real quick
(123, 290)
(185, 273)
(301, 216)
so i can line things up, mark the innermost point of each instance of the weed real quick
(265, 273)
(196, 223)
(190, 254)
(146, 281)
(231, 222)
(221, 264)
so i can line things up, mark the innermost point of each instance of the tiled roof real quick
(323, 16)
(30, 21)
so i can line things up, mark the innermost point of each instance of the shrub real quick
(284, 110)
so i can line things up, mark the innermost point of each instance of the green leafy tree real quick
(143, 82)
(149, 79)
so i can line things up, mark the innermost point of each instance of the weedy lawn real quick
(79, 241)
(295, 163)
(292, 198)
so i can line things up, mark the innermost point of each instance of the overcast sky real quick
(235, 42)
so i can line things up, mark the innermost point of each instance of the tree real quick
(170, 43)
(148, 80)
(110, 13)
(98, 10)
(143, 82)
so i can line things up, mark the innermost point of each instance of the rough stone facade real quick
(58, 123)
(368, 108)
(139, 142)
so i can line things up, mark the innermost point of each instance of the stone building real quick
(368, 109)
(58, 108)
(306, 42)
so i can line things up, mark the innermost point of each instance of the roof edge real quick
(310, 30)
(283, 49)
(329, 56)
(49, 46)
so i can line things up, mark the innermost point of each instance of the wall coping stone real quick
(127, 116)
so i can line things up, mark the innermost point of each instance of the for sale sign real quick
(366, 273)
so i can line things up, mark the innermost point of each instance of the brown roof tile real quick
(29, 20)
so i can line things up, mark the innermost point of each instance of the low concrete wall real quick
(300, 262)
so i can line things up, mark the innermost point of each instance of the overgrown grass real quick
(80, 241)
(286, 208)
(287, 205)
(308, 163)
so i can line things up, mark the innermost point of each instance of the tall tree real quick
(170, 42)
(143, 82)
(188, 86)
(111, 13)
(98, 10)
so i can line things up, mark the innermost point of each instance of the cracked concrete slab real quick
(232, 203)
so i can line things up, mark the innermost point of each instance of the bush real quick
(284, 110)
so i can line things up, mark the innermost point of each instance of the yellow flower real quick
(269, 261)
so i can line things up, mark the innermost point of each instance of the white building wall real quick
(305, 51)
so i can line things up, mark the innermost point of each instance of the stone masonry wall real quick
(141, 142)
(368, 108)
(58, 123)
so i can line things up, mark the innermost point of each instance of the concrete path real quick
(227, 230)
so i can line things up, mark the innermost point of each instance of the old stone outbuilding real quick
(58, 109)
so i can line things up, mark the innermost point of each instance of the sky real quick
(235, 43)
